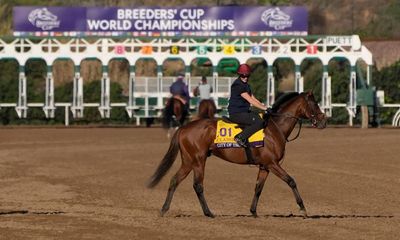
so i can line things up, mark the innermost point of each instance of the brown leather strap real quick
(250, 159)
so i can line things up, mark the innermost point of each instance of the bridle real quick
(314, 114)
(299, 120)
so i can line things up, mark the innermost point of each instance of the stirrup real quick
(241, 142)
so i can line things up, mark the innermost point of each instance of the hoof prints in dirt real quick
(28, 212)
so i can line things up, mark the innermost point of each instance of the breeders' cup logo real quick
(44, 19)
(276, 19)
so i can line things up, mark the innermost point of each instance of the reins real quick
(298, 120)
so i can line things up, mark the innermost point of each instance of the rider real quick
(239, 106)
(204, 91)
(179, 90)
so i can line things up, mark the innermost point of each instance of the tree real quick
(388, 80)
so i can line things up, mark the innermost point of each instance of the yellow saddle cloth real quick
(227, 131)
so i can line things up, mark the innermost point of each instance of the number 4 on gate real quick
(229, 49)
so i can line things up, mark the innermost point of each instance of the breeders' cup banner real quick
(157, 21)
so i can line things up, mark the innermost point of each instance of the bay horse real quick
(174, 114)
(207, 109)
(195, 143)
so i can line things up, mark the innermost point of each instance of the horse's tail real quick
(166, 162)
(168, 113)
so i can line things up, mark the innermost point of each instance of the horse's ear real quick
(309, 93)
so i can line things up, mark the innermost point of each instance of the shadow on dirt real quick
(299, 216)
(12, 212)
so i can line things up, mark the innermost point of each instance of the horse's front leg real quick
(282, 174)
(262, 176)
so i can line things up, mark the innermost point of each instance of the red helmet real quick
(244, 69)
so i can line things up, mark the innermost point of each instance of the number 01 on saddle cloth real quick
(227, 131)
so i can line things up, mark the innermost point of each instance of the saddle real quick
(227, 130)
(180, 98)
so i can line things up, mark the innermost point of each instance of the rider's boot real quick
(241, 141)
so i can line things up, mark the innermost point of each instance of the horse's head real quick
(311, 110)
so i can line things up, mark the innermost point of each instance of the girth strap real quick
(250, 159)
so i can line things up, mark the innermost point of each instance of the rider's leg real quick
(253, 123)
(256, 124)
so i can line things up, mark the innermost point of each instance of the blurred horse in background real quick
(174, 115)
(207, 109)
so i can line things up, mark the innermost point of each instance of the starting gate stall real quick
(146, 94)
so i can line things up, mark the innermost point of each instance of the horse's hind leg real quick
(175, 180)
(262, 176)
(282, 174)
(198, 188)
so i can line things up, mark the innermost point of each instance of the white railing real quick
(146, 94)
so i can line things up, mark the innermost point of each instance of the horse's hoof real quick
(210, 215)
(303, 213)
(253, 213)
(162, 212)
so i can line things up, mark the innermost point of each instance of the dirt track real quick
(90, 184)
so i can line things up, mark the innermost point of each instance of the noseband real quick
(313, 116)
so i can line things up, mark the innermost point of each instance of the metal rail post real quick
(49, 108)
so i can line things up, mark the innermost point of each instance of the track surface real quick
(90, 184)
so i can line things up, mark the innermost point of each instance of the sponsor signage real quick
(353, 41)
(339, 40)
(157, 21)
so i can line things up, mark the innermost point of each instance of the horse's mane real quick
(283, 99)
